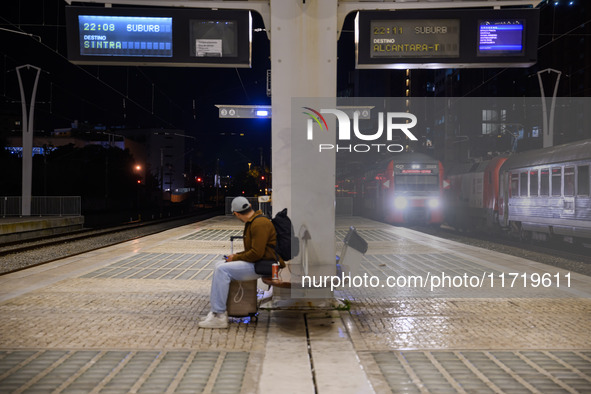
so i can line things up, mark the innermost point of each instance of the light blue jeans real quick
(223, 274)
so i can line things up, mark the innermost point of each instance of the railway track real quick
(18, 256)
(561, 255)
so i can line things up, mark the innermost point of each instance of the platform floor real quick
(124, 319)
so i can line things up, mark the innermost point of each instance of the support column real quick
(548, 124)
(27, 172)
(303, 65)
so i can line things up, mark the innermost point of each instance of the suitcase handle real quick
(232, 238)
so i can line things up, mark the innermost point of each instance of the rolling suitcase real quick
(242, 296)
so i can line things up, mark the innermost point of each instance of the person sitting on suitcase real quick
(260, 239)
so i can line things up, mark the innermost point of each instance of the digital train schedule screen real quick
(501, 37)
(131, 36)
(458, 38)
(154, 36)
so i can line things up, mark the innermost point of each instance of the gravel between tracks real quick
(20, 260)
(24, 259)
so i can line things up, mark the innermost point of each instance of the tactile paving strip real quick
(442, 275)
(421, 264)
(415, 272)
(184, 266)
(212, 235)
(85, 371)
(486, 371)
(433, 323)
(369, 235)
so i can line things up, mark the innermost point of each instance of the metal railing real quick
(42, 206)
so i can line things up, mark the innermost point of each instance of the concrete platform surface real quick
(124, 319)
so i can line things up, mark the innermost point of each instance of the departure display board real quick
(500, 37)
(159, 36)
(125, 36)
(459, 38)
(431, 38)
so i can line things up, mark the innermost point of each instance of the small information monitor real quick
(213, 38)
(501, 37)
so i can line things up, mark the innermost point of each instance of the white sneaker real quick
(215, 320)
(208, 316)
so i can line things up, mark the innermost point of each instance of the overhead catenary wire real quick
(539, 48)
(104, 83)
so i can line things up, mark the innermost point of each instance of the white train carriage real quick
(546, 193)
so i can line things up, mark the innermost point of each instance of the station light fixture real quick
(265, 112)
(244, 111)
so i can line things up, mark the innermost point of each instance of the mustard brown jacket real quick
(260, 239)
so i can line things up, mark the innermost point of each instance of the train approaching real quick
(540, 194)
(404, 190)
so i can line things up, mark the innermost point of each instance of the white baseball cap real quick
(240, 204)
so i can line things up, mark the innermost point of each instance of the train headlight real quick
(400, 202)
(433, 203)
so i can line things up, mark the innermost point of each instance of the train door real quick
(504, 189)
(569, 191)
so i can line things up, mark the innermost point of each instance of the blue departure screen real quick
(125, 36)
(500, 37)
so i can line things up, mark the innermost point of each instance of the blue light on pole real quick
(244, 111)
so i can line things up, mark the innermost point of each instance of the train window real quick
(569, 181)
(523, 184)
(583, 181)
(556, 181)
(514, 185)
(533, 183)
(544, 182)
(416, 182)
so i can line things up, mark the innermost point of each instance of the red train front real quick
(404, 190)
(414, 193)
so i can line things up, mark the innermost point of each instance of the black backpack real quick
(288, 245)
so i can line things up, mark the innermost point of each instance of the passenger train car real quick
(546, 193)
(539, 194)
(471, 200)
(403, 190)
